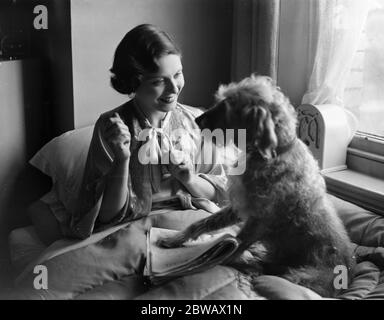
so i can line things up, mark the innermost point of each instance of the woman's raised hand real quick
(180, 166)
(117, 135)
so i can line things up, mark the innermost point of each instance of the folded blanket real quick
(76, 266)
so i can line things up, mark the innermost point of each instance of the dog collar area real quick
(276, 152)
(285, 148)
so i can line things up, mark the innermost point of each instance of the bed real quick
(102, 267)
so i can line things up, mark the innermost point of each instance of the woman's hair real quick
(136, 54)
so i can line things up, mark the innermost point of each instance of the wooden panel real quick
(21, 135)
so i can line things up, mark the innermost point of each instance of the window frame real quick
(364, 141)
(295, 58)
(365, 154)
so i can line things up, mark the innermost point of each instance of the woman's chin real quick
(166, 107)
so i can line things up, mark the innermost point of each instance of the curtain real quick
(255, 38)
(336, 29)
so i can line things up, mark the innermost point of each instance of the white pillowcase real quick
(63, 159)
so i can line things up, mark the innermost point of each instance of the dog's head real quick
(258, 106)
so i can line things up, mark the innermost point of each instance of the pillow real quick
(364, 227)
(63, 159)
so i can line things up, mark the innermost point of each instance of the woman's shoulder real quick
(110, 113)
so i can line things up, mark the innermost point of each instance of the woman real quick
(119, 183)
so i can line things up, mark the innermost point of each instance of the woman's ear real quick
(261, 128)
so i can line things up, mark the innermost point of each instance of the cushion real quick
(25, 246)
(63, 159)
(367, 284)
(364, 227)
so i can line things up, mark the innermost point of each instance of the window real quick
(364, 91)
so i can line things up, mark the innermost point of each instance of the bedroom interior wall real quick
(203, 29)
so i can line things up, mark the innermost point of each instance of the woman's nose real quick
(173, 86)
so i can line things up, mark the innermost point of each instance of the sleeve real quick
(99, 161)
(59, 211)
(210, 167)
(208, 161)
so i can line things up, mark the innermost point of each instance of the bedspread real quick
(109, 266)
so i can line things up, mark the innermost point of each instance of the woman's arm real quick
(199, 187)
(115, 193)
(44, 221)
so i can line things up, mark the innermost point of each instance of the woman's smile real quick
(159, 91)
(169, 99)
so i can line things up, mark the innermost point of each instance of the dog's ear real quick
(227, 110)
(261, 128)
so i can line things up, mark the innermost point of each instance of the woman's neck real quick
(154, 117)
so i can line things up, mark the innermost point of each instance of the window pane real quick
(364, 92)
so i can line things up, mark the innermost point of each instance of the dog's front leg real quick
(220, 219)
(250, 252)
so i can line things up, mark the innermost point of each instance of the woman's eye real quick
(158, 82)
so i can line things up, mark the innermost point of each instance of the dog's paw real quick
(170, 242)
(377, 257)
(248, 261)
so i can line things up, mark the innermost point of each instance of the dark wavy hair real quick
(136, 54)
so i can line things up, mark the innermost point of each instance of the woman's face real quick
(159, 91)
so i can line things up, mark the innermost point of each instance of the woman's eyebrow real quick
(154, 76)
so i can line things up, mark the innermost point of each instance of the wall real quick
(52, 47)
(202, 28)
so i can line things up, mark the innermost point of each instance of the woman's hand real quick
(117, 135)
(181, 166)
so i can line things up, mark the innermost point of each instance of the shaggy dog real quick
(281, 197)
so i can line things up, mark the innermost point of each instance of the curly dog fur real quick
(281, 197)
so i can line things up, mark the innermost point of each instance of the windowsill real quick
(353, 171)
(361, 189)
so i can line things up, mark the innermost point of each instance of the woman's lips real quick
(168, 100)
